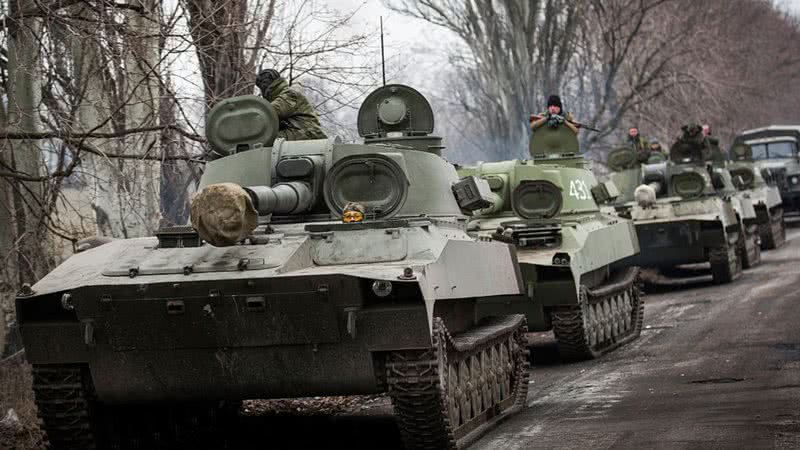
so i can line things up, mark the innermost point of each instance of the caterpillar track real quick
(73, 420)
(750, 249)
(773, 233)
(726, 265)
(447, 396)
(606, 318)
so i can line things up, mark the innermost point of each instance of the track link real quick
(750, 248)
(773, 232)
(726, 265)
(73, 420)
(604, 319)
(64, 405)
(447, 396)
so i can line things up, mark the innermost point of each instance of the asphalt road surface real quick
(715, 367)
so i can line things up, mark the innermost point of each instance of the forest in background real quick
(103, 100)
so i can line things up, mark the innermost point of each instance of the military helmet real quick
(264, 80)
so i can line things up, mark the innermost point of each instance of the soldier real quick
(298, 120)
(655, 147)
(636, 140)
(717, 155)
(638, 144)
(554, 116)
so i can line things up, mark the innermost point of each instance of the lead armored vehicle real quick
(776, 156)
(312, 269)
(568, 251)
(685, 212)
(766, 198)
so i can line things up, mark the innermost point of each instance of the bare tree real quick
(513, 54)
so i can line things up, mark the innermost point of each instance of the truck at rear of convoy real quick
(335, 269)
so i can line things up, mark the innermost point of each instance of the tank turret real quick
(294, 181)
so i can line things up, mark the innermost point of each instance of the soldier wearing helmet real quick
(298, 120)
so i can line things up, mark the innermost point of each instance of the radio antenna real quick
(383, 58)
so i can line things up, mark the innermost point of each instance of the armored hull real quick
(675, 231)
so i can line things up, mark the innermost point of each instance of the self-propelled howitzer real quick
(335, 269)
(766, 197)
(568, 250)
(685, 212)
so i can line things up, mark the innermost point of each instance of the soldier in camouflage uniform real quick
(638, 144)
(298, 120)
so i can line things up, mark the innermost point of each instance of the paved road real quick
(716, 367)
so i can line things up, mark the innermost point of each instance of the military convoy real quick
(316, 268)
(686, 212)
(335, 269)
(548, 208)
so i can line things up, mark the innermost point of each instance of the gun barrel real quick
(283, 198)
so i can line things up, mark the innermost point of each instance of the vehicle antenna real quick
(383, 58)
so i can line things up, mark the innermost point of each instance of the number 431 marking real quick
(578, 189)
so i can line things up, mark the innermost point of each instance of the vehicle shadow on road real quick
(289, 431)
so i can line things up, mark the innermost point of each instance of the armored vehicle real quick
(548, 207)
(776, 156)
(743, 203)
(312, 268)
(766, 198)
(686, 212)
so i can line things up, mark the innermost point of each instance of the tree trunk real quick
(24, 100)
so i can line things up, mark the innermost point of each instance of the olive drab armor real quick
(547, 141)
(766, 197)
(549, 208)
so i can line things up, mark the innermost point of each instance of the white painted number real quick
(578, 189)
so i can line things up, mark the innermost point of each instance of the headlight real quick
(382, 288)
(795, 180)
(536, 199)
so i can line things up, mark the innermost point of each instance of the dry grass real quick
(16, 394)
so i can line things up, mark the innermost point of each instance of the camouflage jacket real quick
(298, 119)
(641, 147)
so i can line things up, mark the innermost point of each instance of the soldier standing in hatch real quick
(655, 147)
(554, 116)
(636, 140)
(638, 144)
(298, 120)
